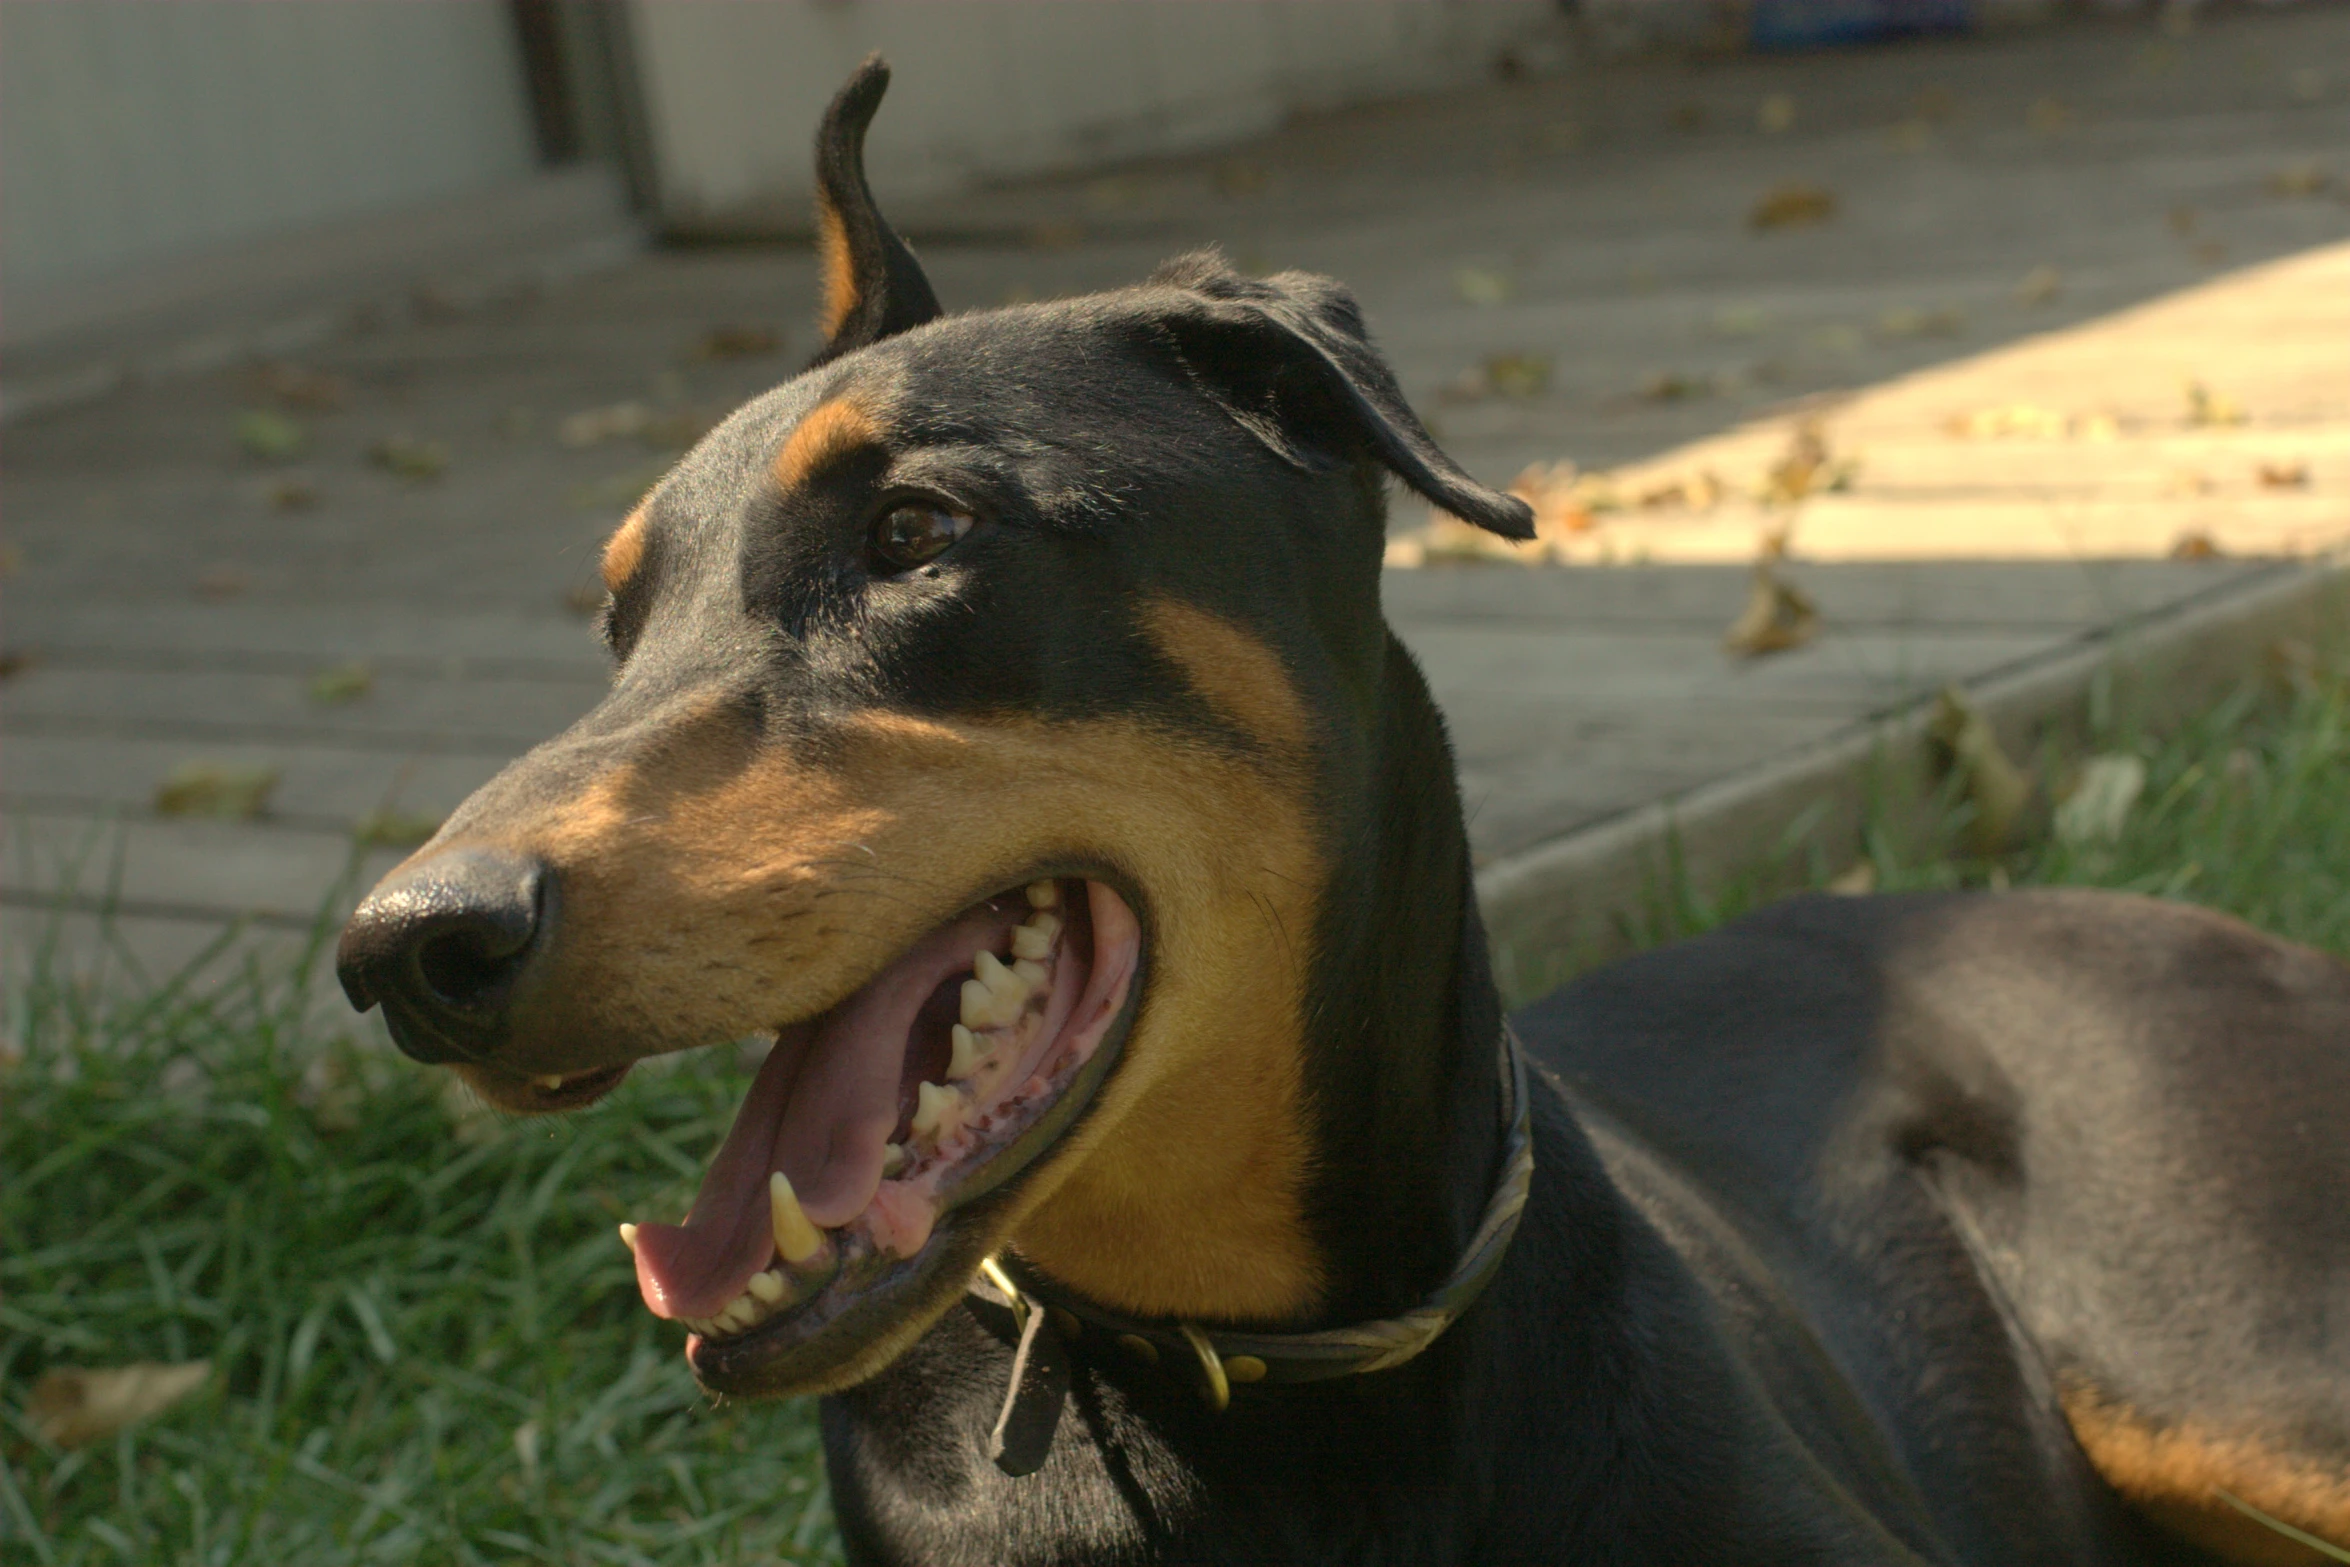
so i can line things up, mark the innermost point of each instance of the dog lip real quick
(816, 1342)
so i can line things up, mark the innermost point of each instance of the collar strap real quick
(1228, 1356)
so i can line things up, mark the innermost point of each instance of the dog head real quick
(978, 696)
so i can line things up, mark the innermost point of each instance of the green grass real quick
(425, 1338)
(425, 1335)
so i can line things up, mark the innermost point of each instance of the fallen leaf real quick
(1240, 177)
(2183, 221)
(2040, 285)
(1699, 491)
(2195, 544)
(1941, 321)
(1792, 206)
(1999, 791)
(1776, 114)
(73, 1406)
(1518, 375)
(2284, 475)
(292, 386)
(272, 437)
(2098, 804)
(2011, 419)
(410, 457)
(1856, 880)
(1481, 285)
(1055, 235)
(209, 789)
(2209, 408)
(1741, 321)
(2299, 179)
(342, 683)
(1671, 386)
(293, 495)
(1806, 467)
(14, 662)
(737, 342)
(222, 582)
(393, 829)
(1779, 616)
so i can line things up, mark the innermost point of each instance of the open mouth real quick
(867, 1127)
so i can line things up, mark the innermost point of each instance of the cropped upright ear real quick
(873, 286)
(1289, 359)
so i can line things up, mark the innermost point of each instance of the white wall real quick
(133, 133)
(992, 88)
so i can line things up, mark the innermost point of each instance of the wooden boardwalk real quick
(380, 643)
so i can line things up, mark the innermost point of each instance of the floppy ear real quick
(873, 286)
(1289, 359)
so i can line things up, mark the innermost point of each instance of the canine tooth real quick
(740, 1313)
(1044, 895)
(1033, 938)
(985, 1008)
(549, 1080)
(968, 1053)
(768, 1287)
(1031, 972)
(932, 1102)
(628, 1235)
(893, 1159)
(796, 1239)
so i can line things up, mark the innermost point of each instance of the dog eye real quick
(906, 536)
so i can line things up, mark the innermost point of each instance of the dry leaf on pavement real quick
(2210, 408)
(737, 342)
(2284, 475)
(73, 1407)
(209, 789)
(341, 683)
(1779, 617)
(1792, 205)
(272, 437)
(410, 457)
(2040, 285)
(1999, 791)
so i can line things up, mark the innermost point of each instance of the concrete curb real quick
(1566, 904)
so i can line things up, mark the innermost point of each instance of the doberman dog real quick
(1143, 1166)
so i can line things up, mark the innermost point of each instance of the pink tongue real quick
(821, 1111)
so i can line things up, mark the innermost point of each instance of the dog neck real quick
(1403, 1022)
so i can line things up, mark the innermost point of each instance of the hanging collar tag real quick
(1023, 1432)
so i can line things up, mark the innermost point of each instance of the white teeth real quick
(990, 971)
(1044, 895)
(1031, 973)
(768, 1287)
(796, 1239)
(984, 1007)
(739, 1314)
(933, 1104)
(968, 1053)
(628, 1235)
(549, 1081)
(893, 1159)
(1034, 938)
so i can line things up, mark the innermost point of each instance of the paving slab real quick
(2078, 221)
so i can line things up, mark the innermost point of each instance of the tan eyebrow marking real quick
(624, 552)
(829, 433)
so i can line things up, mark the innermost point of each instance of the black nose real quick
(441, 944)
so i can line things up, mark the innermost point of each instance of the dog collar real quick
(1023, 1431)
